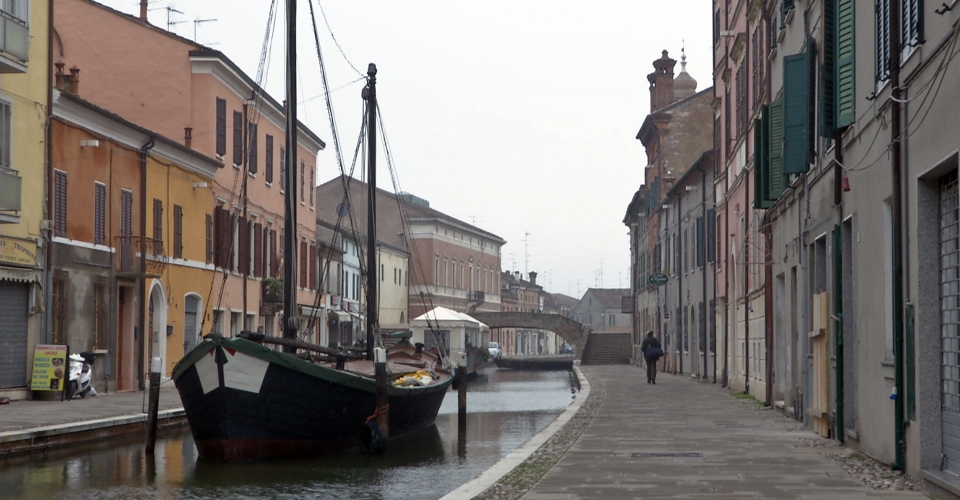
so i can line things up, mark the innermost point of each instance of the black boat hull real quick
(289, 412)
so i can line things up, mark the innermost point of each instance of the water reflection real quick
(505, 410)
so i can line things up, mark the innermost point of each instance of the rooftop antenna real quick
(526, 254)
(197, 22)
(170, 23)
(473, 219)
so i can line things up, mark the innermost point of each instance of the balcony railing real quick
(128, 257)
(10, 189)
(476, 296)
(14, 32)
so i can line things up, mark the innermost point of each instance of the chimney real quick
(143, 10)
(74, 81)
(661, 82)
(533, 277)
(59, 79)
(187, 136)
(516, 274)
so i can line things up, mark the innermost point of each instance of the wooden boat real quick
(244, 400)
(563, 362)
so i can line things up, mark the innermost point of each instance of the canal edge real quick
(517, 457)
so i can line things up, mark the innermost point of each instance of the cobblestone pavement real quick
(684, 439)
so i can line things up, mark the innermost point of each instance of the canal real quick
(505, 408)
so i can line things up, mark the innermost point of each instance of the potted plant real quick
(272, 290)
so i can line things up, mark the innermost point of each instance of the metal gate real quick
(13, 334)
(950, 323)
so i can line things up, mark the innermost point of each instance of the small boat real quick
(245, 400)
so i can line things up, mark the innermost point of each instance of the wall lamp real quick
(90, 143)
(201, 185)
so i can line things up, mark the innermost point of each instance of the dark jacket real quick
(648, 343)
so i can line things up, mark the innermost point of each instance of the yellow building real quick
(24, 107)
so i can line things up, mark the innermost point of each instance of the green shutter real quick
(796, 110)
(828, 109)
(774, 124)
(845, 63)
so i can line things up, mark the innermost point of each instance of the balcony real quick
(476, 296)
(10, 193)
(14, 36)
(128, 258)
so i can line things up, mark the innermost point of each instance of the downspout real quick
(768, 259)
(746, 280)
(681, 313)
(46, 323)
(243, 189)
(895, 131)
(726, 289)
(141, 310)
(706, 305)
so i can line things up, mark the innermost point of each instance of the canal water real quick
(505, 409)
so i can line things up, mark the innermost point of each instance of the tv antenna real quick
(196, 23)
(170, 23)
(526, 254)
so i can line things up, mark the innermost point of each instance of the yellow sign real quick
(49, 367)
(18, 252)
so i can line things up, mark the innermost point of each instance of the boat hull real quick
(541, 363)
(244, 401)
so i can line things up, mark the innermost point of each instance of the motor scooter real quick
(81, 374)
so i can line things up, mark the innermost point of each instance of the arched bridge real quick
(574, 333)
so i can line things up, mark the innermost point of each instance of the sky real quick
(517, 116)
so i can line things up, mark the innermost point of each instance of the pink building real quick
(181, 89)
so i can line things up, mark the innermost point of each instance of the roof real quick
(610, 297)
(694, 169)
(565, 300)
(390, 226)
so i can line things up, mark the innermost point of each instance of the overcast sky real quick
(518, 116)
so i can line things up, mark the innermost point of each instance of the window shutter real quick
(711, 235)
(126, 213)
(237, 138)
(759, 166)
(268, 163)
(700, 241)
(100, 211)
(209, 239)
(283, 169)
(774, 125)
(828, 94)
(796, 111)
(253, 148)
(221, 127)
(845, 79)
(257, 249)
(313, 267)
(177, 232)
(60, 204)
(303, 264)
(657, 262)
(157, 221)
(274, 257)
(882, 32)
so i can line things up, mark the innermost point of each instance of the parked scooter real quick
(81, 374)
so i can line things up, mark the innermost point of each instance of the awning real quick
(311, 311)
(344, 316)
(20, 274)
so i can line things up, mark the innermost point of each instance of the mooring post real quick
(383, 402)
(154, 405)
(462, 394)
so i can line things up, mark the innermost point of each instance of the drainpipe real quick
(46, 323)
(895, 131)
(245, 172)
(706, 305)
(768, 304)
(746, 282)
(726, 289)
(681, 313)
(141, 310)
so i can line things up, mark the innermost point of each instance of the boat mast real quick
(370, 95)
(290, 318)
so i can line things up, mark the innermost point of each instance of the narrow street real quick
(685, 439)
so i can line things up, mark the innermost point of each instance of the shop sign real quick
(15, 252)
(49, 367)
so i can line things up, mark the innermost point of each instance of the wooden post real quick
(154, 405)
(383, 402)
(462, 393)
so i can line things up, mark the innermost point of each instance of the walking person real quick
(652, 352)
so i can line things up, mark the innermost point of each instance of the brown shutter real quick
(253, 148)
(313, 267)
(268, 163)
(157, 226)
(244, 251)
(60, 204)
(217, 246)
(237, 138)
(221, 127)
(303, 264)
(177, 232)
(257, 250)
(274, 257)
(209, 238)
(100, 214)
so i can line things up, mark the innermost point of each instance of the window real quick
(221, 127)
(283, 169)
(700, 242)
(237, 138)
(99, 213)
(741, 83)
(757, 55)
(312, 186)
(303, 264)
(157, 226)
(911, 32)
(383, 274)
(60, 204)
(218, 322)
(798, 111)
(268, 161)
(6, 134)
(303, 171)
(126, 212)
(101, 315)
(258, 250)
(882, 33)
(252, 166)
(177, 232)
(711, 222)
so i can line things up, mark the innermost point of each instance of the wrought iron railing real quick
(128, 257)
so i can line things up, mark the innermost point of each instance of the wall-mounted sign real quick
(16, 252)
(658, 279)
(49, 368)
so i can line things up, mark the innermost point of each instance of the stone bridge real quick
(574, 333)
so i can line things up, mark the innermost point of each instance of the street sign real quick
(658, 279)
